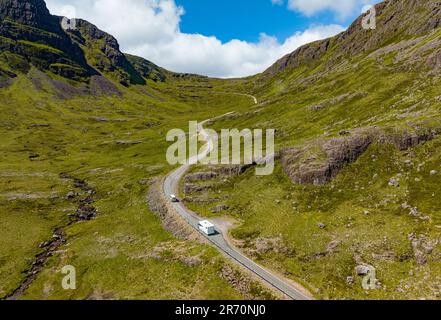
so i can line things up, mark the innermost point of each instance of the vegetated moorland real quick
(83, 137)
(358, 170)
(356, 179)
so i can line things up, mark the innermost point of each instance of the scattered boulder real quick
(413, 211)
(420, 258)
(219, 208)
(127, 142)
(350, 280)
(422, 246)
(71, 195)
(321, 225)
(151, 124)
(193, 188)
(233, 170)
(332, 246)
(393, 182)
(362, 270)
(201, 176)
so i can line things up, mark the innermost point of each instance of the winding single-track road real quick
(171, 187)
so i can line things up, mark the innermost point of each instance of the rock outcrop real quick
(319, 161)
(28, 30)
(193, 188)
(200, 176)
(28, 12)
(104, 54)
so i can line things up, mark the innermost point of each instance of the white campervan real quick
(207, 227)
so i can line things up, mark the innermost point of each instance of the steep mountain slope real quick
(396, 21)
(102, 52)
(361, 79)
(358, 120)
(29, 34)
(148, 69)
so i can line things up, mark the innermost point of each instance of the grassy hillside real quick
(83, 138)
(356, 180)
(381, 206)
(116, 144)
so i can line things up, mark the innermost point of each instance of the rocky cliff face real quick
(103, 53)
(31, 35)
(395, 19)
(28, 12)
(319, 161)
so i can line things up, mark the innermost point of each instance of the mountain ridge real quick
(30, 35)
(102, 54)
(393, 17)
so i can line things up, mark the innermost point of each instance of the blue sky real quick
(246, 19)
(219, 38)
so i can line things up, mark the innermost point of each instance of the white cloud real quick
(150, 28)
(343, 8)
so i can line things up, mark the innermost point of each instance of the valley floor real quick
(74, 176)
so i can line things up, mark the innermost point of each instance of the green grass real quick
(125, 252)
(359, 208)
(40, 47)
(271, 207)
(113, 253)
